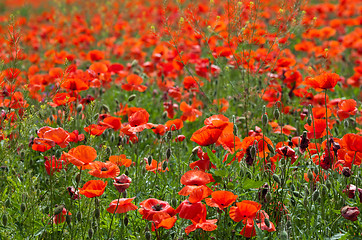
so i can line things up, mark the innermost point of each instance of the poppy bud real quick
(164, 115)
(79, 108)
(58, 209)
(164, 165)
(7, 202)
(346, 123)
(148, 235)
(125, 221)
(350, 213)
(268, 197)
(168, 153)
(22, 207)
(324, 191)
(315, 195)
(297, 194)
(95, 117)
(112, 139)
(346, 171)
(271, 149)
(276, 178)
(195, 150)
(5, 219)
(97, 213)
(267, 222)
(265, 119)
(276, 113)
(77, 178)
(105, 108)
(284, 235)
(252, 151)
(149, 160)
(131, 98)
(309, 120)
(79, 216)
(90, 233)
(310, 175)
(51, 118)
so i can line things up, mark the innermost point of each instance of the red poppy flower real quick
(121, 205)
(154, 167)
(120, 160)
(204, 163)
(52, 165)
(56, 135)
(61, 99)
(93, 188)
(190, 113)
(350, 213)
(188, 210)
(160, 212)
(244, 210)
(81, 156)
(175, 124)
(98, 67)
(323, 81)
(139, 118)
(221, 199)
(134, 83)
(74, 84)
(122, 182)
(111, 122)
(195, 181)
(95, 129)
(352, 142)
(59, 218)
(320, 129)
(346, 108)
(206, 135)
(104, 169)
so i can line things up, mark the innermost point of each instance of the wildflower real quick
(221, 199)
(122, 182)
(188, 210)
(104, 170)
(195, 185)
(60, 218)
(350, 213)
(121, 205)
(81, 156)
(159, 212)
(120, 160)
(93, 188)
(323, 81)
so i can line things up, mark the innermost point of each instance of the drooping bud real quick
(350, 213)
(132, 97)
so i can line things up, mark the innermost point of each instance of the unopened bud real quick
(79, 108)
(22, 207)
(58, 209)
(148, 235)
(97, 213)
(195, 150)
(68, 219)
(315, 195)
(125, 221)
(276, 113)
(265, 119)
(149, 160)
(168, 153)
(131, 98)
(276, 178)
(5, 220)
(90, 233)
(309, 121)
(271, 149)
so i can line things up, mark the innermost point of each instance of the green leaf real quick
(212, 156)
(250, 183)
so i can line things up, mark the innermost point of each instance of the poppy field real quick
(180, 119)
